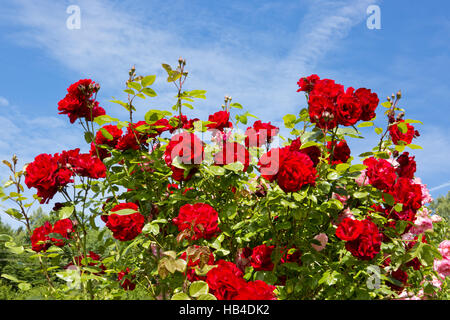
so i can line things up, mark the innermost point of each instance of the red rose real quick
(225, 281)
(260, 259)
(293, 255)
(269, 163)
(92, 260)
(322, 111)
(39, 239)
(397, 135)
(348, 109)
(256, 290)
(127, 283)
(78, 103)
(174, 123)
(232, 152)
(349, 229)
(400, 276)
(381, 173)
(312, 152)
(64, 228)
(296, 170)
(200, 220)
(83, 164)
(307, 83)
(188, 148)
(341, 151)
(159, 127)
(100, 139)
(46, 175)
(407, 193)
(127, 226)
(368, 244)
(260, 134)
(407, 166)
(220, 121)
(133, 138)
(368, 102)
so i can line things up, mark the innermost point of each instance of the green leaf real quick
(413, 121)
(148, 80)
(402, 126)
(66, 212)
(378, 130)
(386, 104)
(357, 167)
(151, 228)
(180, 296)
(235, 166)
(149, 92)
(365, 124)
(101, 120)
(25, 286)
(389, 199)
(106, 134)
(198, 288)
(134, 85)
(207, 296)
(88, 137)
(5, 237)
(359, 195)
(341, 167)
(235, 105)
(333, 175)
(414, 146)
(289, 121)
(123, 212)
(10, 277)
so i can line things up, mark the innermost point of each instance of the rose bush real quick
(196, 209)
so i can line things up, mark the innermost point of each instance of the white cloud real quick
(3, 102)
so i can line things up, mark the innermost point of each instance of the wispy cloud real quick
(3, 102)
(444, 185)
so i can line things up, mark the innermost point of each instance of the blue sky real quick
(254, 51)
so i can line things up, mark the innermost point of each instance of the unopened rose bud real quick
(399, 94)
(14, 159)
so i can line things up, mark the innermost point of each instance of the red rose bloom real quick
(260, 259)
(260, 134)
(159, 127)
(341, 151)
(349, 229)
(78, 103)
(93, 260)
(407, 166)
(126, 284)
(39, 239)
(220, 121)
(368, 244)
(133, 138)
(256, 290)
(368, 102)
(232, 152)
(381, 173)
(45, 174)
(348, 109)
(200, 220)
(225, 281)
(312, 152)
(270, 162)
(322, 111)
(397, 135)
(307, 83)
(188, 148)
(128, 226)
(407, 193)
(64, 228)
(400, 276)
(296, 170)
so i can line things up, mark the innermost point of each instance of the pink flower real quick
(442, 267)
(362, 180)
(436, 218)
(444, 249)
(323, 239)
(421, 225)
(426, 196)
(343, 199)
